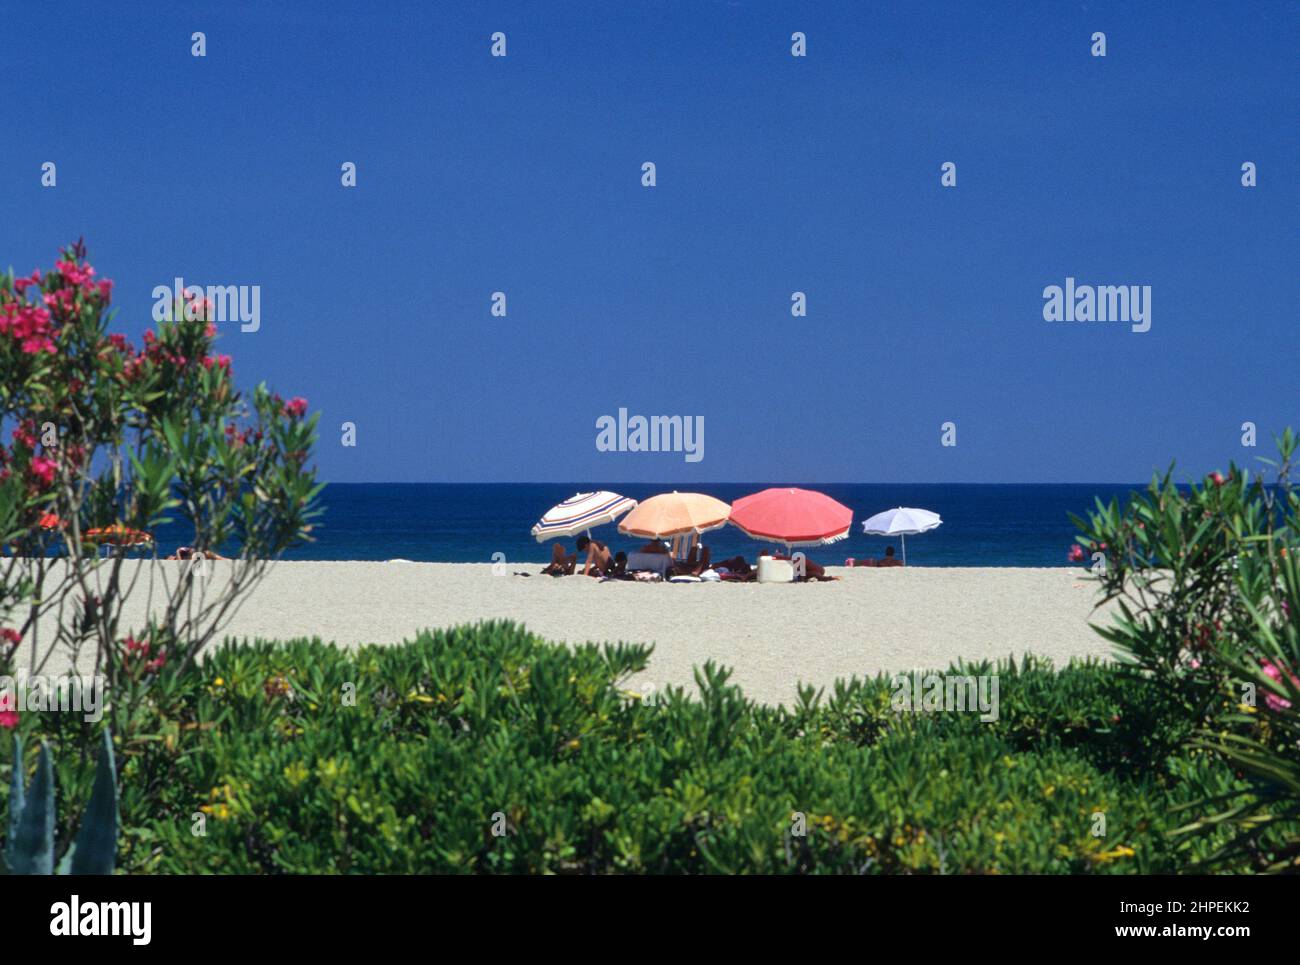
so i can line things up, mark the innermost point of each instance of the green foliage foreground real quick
(304, 757)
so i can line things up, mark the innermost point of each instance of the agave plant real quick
(29, 849)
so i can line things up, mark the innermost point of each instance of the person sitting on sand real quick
(599, 560)
(889, 558)
(560, 565)
(696, 562)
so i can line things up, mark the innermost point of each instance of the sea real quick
(983, 525)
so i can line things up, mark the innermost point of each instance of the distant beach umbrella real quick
(580, 513)
(795, 517)
(901, 522)
(672, 514)
(119, 534)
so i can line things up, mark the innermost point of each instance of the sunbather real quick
(560, 565)
(696, 562)
(599, 559)
(735, 570)
(811, 571)
(889, 559)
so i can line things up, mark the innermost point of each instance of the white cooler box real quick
(772, 570)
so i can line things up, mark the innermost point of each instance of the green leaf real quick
(31, 850)
(96, 844)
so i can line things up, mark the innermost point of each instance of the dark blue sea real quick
(983, 525)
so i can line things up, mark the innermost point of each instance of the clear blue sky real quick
(775, 174)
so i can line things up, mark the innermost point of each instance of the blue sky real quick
(775, 174)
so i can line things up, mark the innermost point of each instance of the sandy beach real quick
(773, 636)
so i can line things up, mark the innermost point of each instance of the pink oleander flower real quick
(76, 275)
(8, 719)
(43, 469)
(1216, 478)
(22, 284)
(1273, 701)
(1076, 553)
(11, 636)
(37, 344)
(25, 434)
(296, 407)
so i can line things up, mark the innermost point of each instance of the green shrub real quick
(459, 731)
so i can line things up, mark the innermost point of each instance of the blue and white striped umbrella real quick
(579, 513)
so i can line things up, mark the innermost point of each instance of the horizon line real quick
(714, 482)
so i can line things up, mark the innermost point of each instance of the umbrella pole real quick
(903, 537)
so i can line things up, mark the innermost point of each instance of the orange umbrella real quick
(672, 514)
(119, 534)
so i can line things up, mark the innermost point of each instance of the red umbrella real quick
(795, 517)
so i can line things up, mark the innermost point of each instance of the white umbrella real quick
(581, 512)
(901, 522)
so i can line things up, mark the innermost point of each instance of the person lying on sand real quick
(811, 571)
(599, 560)
(560, 564)
(188, 553)
(815, 571)
(889, 559)
(735, 570)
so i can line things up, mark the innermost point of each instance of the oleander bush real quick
(304, 757)
(1207, 582)
(101, 443)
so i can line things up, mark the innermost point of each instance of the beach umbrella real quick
(581, 512)
(795, 517)
(119, 534)
(901, 522)
(672, 514)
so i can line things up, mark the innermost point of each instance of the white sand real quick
(773, 636)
